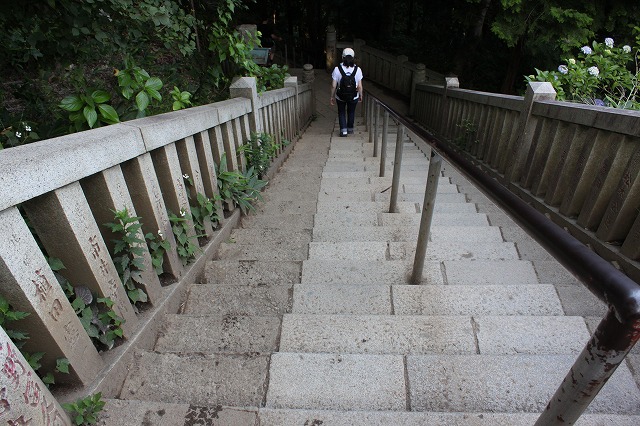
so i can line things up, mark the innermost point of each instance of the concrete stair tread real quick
(251, 235)
(329, 206)
(216, 379)
(133, 412)
(285, 220)
(458, 383)
(256, 272)
(438, 250)
(263, 250)
(278, 417)
(438, 234)
(440, 218)
(218, 333)
(477, 300)
(207, 299)
(432, 335)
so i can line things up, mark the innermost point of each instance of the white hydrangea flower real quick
(586, 50)
(609, 42)
(626, 48)
(563, 69)
(594, 71)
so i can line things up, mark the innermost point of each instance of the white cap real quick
(348, 52)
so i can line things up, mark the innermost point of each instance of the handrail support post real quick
(397, 166)
(428, 206)
(383, 148)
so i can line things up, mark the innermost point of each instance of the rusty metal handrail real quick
(619, 330)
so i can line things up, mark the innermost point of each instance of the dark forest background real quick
(489, 44)
(53, 50)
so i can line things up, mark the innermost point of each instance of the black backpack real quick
(347, 90)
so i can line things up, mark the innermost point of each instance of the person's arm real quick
(334, 85)
(360, 91)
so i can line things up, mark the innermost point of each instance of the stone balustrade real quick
(579, 164)
(57, 194)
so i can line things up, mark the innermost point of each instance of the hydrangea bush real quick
(603, 74)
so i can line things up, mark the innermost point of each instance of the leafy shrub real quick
(85, 410)
(240, 188)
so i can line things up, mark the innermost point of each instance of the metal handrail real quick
(619, 330)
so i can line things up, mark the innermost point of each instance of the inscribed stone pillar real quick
(147, 198)
(245, 87)
(107, 192)
(30, 286)
(419, 75)
(65, 225)
(24, 399)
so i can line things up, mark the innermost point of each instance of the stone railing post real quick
(308, 76)
(419, 76)
(246, 87)
(293, 83)
(25, 399)
(449, 83)
(536, 91)
(330, 48)
(398, 80)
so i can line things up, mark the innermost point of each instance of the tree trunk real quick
(472, 40)
(513, 68)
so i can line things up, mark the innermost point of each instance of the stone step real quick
(474, 300)
(118, 412)
(289, 221)
(364, 185)
(216, 299)
(419, 198)
(218, 334)
(433, 335)
(435, 383)
(252, 272)
(198, 379)
(279, 417)
(263, 250)
(440, 218)
(382, 250)
(468, 234)
(371, 272)
(328, 206)
(290, 205)
(450, 219)
(365, 272)
(251, 235)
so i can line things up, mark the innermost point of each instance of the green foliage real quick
(96, 314)
(85, 411)
(136, 83)
(467, 135)
(17, 134)
(7, 315)
(602, 74)
(260, 150)
(270, 78)
(180, 227)
(181, 99)
(158, 246)
(202, 208)
(240, 188)
(85, 108)
(128, 251)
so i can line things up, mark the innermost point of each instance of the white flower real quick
(594, 71)
(18, 135)
(626, 48)
(563, 69)
(586, 50)
(572, 61)
(160, 234)
(183, 212)
(27, 127)
(186, 176)
(609, 42)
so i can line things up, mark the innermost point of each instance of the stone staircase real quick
(305, 316)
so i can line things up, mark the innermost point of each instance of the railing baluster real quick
(428, 205)
(383, 149)
(397, 166)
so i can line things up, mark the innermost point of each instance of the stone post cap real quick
(541, 89)
(402, 58)
(331, 29)
(243, 83)
(452, 81)
(421, 67)
(307, 67)
(291, 81)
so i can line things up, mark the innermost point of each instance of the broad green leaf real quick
(153, 83)
(142, 101)
(109, 114)
(100, 96)
(90, 115)
(72, 103)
